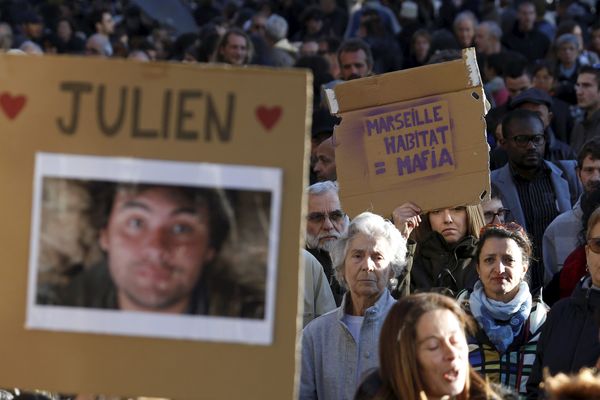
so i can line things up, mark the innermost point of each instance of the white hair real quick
(376, 227)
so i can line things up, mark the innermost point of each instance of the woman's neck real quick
(358, 305)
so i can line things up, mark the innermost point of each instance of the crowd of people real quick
(465, 301)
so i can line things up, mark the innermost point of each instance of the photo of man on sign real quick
(125, 245)
(159, 243)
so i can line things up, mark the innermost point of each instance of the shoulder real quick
(537, 317)
(323, 323)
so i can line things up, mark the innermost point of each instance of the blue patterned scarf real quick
(512, 315)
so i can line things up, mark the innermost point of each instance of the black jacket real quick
(436, 264)
(569, 339)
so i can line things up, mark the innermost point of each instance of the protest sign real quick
(150, 208)
(413, 135)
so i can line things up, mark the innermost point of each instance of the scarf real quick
(501, 322)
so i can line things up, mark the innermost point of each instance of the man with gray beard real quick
(326, 222)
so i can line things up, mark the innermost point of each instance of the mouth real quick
(451, 375)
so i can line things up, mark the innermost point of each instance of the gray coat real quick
(333, 364)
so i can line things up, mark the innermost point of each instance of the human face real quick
(530, 156)
(483, 40)
(595, 40)
(451, 223)
(465, 32)
(543, 80)
(353, 65)
(501, 268)
(157, 243)
(593, 259)
(63, 30)
(517, 85)
(567, 54)
(107, 25)
(322, 235)
(235, 50)
(366, 267)
(541, 110)
(526, 17)
(442, 354)
(325, 165)
(422, 45)
(494, 211)
(587, 91)
(589, 173)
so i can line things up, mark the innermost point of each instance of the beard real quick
(314, 241)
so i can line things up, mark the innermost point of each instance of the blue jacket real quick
(333, 364)
(567, 188)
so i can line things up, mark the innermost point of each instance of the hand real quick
(406, 218)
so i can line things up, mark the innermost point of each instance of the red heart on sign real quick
(12, 106)
(268, 117)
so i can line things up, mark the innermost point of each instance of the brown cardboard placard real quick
(413, 135)
(71, 125)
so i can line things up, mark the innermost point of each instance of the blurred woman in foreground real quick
(424, 354)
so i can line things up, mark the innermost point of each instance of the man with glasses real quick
(326, 222)
(563, 235)
(535, 190)
(587, 90)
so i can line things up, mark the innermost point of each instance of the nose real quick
(368, 264)
(447, 216)
(450, 350)
(327, 224)
(501, 267)
(496, 219)
(156, 245)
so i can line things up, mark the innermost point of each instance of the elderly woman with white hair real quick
(340, 346)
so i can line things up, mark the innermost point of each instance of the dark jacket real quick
(436, 264)
(533, 45)
(569, 339)
(323, 257)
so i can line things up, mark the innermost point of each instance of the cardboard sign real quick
(152, 208)
(413, 135)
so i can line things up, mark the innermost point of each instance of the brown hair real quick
(592, 221)
(398, 352)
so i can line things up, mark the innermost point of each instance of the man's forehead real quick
(588, 162)
(168, 196)
(323, 202)
(352, 56)
(587, 78)
(527, 126)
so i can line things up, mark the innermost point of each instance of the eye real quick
(135, 223)
(179, 229)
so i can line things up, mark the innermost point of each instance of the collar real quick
(384, 301)
(544, 170)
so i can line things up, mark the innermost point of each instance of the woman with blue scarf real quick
(509, 320)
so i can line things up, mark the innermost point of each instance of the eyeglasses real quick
(319, 217)
(508, 226)
(502, 213)
(594, 244)
(524, 140)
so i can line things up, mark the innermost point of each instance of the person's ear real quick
(103, 239)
